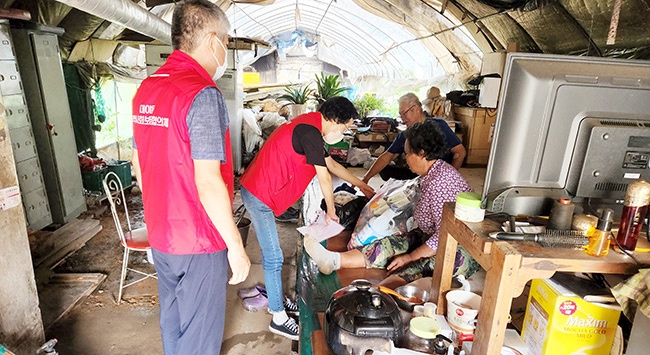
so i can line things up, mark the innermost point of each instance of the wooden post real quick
(445, 258)
(21, 326)
(499, 289)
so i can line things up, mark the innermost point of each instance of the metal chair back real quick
(116, 200)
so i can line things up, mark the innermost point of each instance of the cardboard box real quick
(559, 322)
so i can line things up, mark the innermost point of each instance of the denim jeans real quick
(272, 258)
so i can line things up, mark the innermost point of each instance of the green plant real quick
(328, 86)
(297, 95)
(367, 103)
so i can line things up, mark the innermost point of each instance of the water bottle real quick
(376, 228)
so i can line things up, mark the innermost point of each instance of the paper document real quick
(321, 229)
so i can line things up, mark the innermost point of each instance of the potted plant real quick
(327, 86)
(368, 103)
(297, 98)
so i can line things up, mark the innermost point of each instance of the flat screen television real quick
(568, 127)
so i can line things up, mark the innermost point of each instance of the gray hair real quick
(194, 19)
(410, 99)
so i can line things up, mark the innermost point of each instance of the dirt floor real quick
(98, 326)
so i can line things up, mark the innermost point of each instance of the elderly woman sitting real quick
(412, 256)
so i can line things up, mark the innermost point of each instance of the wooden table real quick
(509, 266)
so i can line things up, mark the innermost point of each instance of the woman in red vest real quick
(279, 175)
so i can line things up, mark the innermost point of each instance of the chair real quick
(131, 239)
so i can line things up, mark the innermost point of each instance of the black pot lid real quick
(360, 303)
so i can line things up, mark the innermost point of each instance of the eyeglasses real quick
(403, 113)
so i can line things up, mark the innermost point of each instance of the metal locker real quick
(29, 175)
(16, 111)
(37, 209)
(6, 50)
(42, 78)
(22, 141)
(9, 78)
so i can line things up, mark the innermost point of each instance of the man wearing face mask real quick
(184, 165)
(279, 175)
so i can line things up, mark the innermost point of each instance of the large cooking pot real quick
(359, 317)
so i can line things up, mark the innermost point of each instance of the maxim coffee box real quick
(559, 322)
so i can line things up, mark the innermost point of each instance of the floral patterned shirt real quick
(441, 184)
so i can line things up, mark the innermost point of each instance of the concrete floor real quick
(99, 326)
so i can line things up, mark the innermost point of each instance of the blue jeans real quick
(272, 258)
(192, 293)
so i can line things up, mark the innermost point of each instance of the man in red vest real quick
(183, 162)
(279, 175)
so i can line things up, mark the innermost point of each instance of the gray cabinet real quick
(41, 73)
(28, 168)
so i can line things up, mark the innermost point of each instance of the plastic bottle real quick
(599, 238)
(376, 228)
(635, 208)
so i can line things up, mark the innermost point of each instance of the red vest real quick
(176, 220)
(278, 176)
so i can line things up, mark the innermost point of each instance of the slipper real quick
(252, 292)
(254, 304)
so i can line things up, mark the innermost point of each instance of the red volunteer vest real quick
(176, 220)
(278, 176)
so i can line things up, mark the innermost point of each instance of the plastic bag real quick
(348, 208)
(389, 212)
(251, 131)
(358, 156)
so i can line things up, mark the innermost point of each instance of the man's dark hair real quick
(194, 19)
(426, 139)
(338, 109)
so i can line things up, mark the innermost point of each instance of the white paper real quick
(320, 229)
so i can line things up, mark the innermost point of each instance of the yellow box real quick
(251, 78)
(560, 322)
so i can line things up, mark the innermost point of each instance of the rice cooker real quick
(359, 317)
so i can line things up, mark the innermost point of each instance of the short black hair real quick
(426, 139)
(193, 19)
(339, 109)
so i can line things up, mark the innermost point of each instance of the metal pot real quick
(411, 292)
(359, 317)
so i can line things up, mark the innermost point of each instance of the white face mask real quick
(221, 68)
(333, 137)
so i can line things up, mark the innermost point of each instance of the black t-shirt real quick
(308, 141)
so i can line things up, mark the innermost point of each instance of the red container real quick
(631, 224)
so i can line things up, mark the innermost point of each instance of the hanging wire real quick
(321, 19)
(434, 34)
(254, 20)
(296, 17)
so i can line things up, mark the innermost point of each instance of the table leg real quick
(499, 289)
(444, 268)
